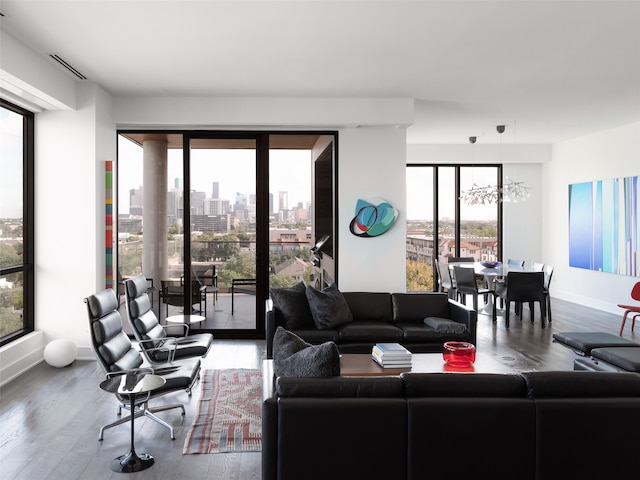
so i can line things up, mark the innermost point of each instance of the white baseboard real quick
(20, 355)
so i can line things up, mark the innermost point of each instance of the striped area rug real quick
(229, 415)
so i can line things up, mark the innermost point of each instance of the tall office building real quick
(215, 190)
(197, 202)
(136, 196)
(283, 198)
(215, 206)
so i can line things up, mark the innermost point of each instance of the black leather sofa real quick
(537, 425)
(386, 317)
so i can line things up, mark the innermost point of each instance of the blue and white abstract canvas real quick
(604, 234)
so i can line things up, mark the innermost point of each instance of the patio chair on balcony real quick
(172, 293)
(242, 285)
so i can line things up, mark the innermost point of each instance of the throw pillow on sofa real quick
(293, 357)
(293, 305)
(445, 325)
(328, 307)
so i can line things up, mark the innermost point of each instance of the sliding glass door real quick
(223, 229)
(220, 217)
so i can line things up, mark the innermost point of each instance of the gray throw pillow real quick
(328, 307)
(293, 357)
(445, 325)
(293, 306)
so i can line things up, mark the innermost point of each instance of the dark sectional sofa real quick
(385, 317)
(529, 426)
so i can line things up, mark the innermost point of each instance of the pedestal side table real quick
(132, 385)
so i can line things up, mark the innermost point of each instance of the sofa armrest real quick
(270, 439)
(460, 313)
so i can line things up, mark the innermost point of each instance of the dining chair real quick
(447, 283)
(635, 309)
(515, 263)
(522, 287)
(116, 354)
(536, 267)
(466, 285)
(460, 259)
(548, 274)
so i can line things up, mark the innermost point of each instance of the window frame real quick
(28, 225)
(457, 177)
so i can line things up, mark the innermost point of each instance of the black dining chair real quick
(465, 278)
(521, 287)
(548, 274)
(460, 259)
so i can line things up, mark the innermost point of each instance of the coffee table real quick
(362, 365)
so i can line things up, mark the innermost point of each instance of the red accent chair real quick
(635, 294)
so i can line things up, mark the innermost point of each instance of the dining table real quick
(490, 274)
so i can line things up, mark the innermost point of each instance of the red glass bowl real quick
(459, 354)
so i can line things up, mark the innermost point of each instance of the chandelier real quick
(509, 192)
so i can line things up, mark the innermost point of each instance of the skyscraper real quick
(283, 198)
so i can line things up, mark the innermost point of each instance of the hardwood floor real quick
(50, 418)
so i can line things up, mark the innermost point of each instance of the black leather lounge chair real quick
(116, 354)
(152, 337)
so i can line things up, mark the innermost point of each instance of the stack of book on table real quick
(391, 355)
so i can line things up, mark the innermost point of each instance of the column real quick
(155, 217)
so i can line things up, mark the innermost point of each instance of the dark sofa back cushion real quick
(415, 307)
(478, 385)
(339, 387)
(582, 384)
(293, 307)
(369, 305)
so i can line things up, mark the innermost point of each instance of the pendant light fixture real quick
(509, 192)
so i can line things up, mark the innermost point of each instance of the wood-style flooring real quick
(50, 417)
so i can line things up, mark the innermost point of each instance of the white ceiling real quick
(555, 69)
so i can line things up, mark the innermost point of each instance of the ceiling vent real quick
(68, 66)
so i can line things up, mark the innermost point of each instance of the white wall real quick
(609, 154)
(523, 221)
(69, 180)
(372, 164)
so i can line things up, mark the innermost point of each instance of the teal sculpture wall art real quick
(373, 218)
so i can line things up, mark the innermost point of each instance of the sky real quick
(420, 198)
(234, 170)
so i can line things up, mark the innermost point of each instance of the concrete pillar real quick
(155, 218)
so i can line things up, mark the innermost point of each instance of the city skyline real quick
(290, 171)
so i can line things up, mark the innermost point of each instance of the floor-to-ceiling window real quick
(16, 222)
(441, 224)
(246, 224)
